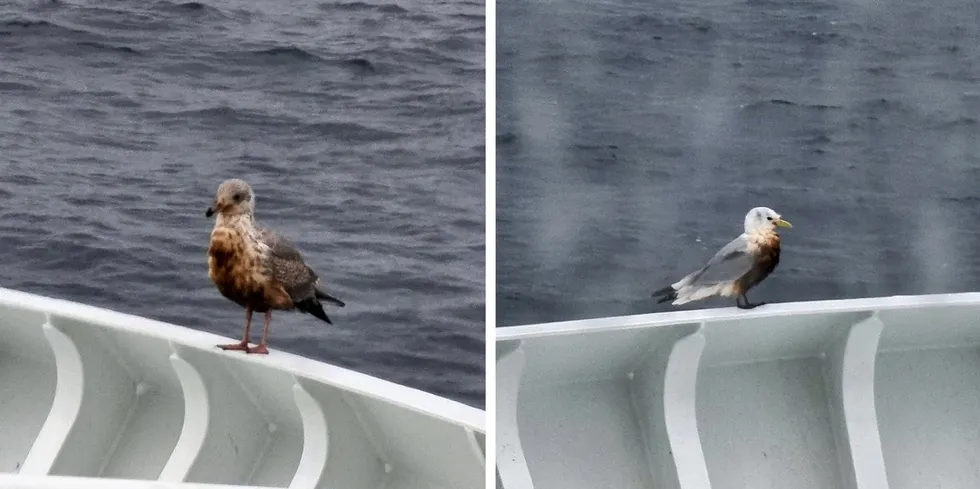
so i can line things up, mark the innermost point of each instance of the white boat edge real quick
(871, 391)
(613, 323)
(17, 481)
(420, 401)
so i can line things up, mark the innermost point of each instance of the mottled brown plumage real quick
(765, 248)
(237, 272)
(256, 268)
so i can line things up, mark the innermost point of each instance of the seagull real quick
(740, 265)
(255, 267)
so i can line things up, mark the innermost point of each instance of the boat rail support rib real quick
(313, 460)
(476, 446)
(197, 415)
(511, 464)
(225, 444)
(851, 369)
(66, 406)
(680, 411)
(663, 391)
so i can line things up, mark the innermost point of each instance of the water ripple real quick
(120, 119)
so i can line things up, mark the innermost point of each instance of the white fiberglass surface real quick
(928, 404)
(128, 418)
(827, 395)
(27, 384)
(27, 391)
(88, 392)
(767, 425)
(583, 435)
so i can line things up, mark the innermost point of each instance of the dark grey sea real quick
(634, 135)
(360, 125)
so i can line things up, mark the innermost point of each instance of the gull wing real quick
(278, 245)
(287, 266)
(729, 263)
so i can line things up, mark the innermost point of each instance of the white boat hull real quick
(868, 393)
(94, 393)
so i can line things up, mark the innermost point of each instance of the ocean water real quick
(633, 137)
(359, 124)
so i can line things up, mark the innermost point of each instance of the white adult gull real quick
(740, 265)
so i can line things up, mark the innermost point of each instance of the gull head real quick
(233, 198)
(764, 219)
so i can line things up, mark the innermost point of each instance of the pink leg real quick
(243, 345)
(265, 335)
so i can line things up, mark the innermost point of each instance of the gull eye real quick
(769, 218)
(240, 196)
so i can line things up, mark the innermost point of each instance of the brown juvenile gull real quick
(737, 267)
(256, 268)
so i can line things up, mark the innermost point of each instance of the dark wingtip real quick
(666, 294)
(313, 308)
(329, 298)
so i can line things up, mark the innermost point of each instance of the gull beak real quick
(211, 210)
(783, 223)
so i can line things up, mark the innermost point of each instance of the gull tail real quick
(329, 298)
(666, 294)
(313, 307)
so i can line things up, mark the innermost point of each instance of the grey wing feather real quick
(730, 263)
(278, 245)
(287, 266)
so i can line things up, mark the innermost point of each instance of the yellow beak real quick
(783, 223)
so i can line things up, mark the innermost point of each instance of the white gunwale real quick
(833, 346)
(348, 380)
(614, 323)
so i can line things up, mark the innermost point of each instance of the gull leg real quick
(265, 336)
(243, 345)
(747, 304)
